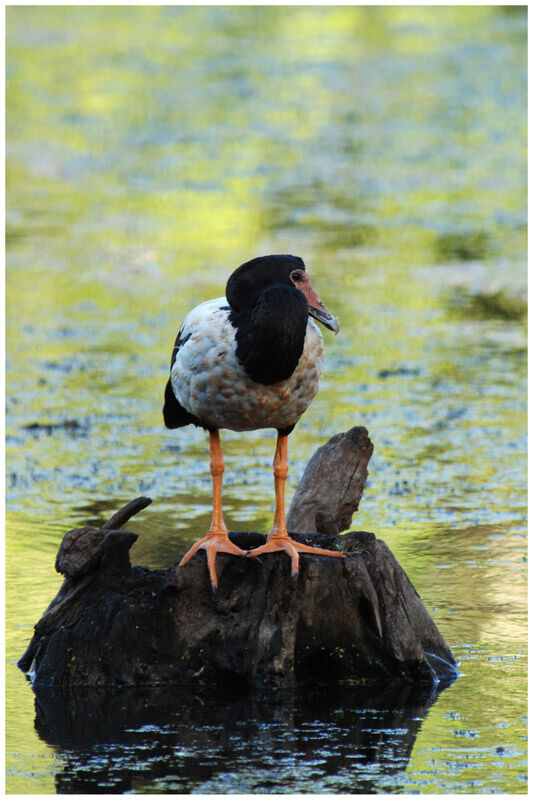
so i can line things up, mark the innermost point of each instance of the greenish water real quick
(150, 150)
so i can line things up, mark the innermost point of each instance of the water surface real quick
(150, 151)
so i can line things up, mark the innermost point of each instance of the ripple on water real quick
(406, 197)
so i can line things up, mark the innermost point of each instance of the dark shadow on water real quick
(349, 739)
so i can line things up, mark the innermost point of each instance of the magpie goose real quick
(246, 361)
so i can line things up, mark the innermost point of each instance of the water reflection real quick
(152, 149)
(173, 739)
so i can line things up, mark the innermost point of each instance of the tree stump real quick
(357, 618)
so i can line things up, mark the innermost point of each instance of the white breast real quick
(210, 383)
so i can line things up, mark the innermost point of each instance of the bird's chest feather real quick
(210, 382)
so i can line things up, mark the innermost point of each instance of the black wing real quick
(174, 415)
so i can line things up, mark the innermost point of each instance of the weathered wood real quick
(337, 620)
(82, 552)
(82, 549)
(357, 618)
(332, 485)
(125, 513)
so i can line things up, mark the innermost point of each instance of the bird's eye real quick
(296, 276)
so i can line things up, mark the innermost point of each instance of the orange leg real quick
(217, 540)
(278, 538)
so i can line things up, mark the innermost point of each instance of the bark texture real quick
(332, 485)
(357, 618)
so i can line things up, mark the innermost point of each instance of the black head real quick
(249, 280)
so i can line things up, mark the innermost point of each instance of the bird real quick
(248, 361)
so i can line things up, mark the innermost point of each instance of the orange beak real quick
(317, 308)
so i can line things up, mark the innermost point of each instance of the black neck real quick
(270, 336)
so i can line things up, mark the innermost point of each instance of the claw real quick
(293, 549)
(213, 543)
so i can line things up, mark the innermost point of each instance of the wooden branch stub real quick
(332, 485)
(125, 513)
(84, 550)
